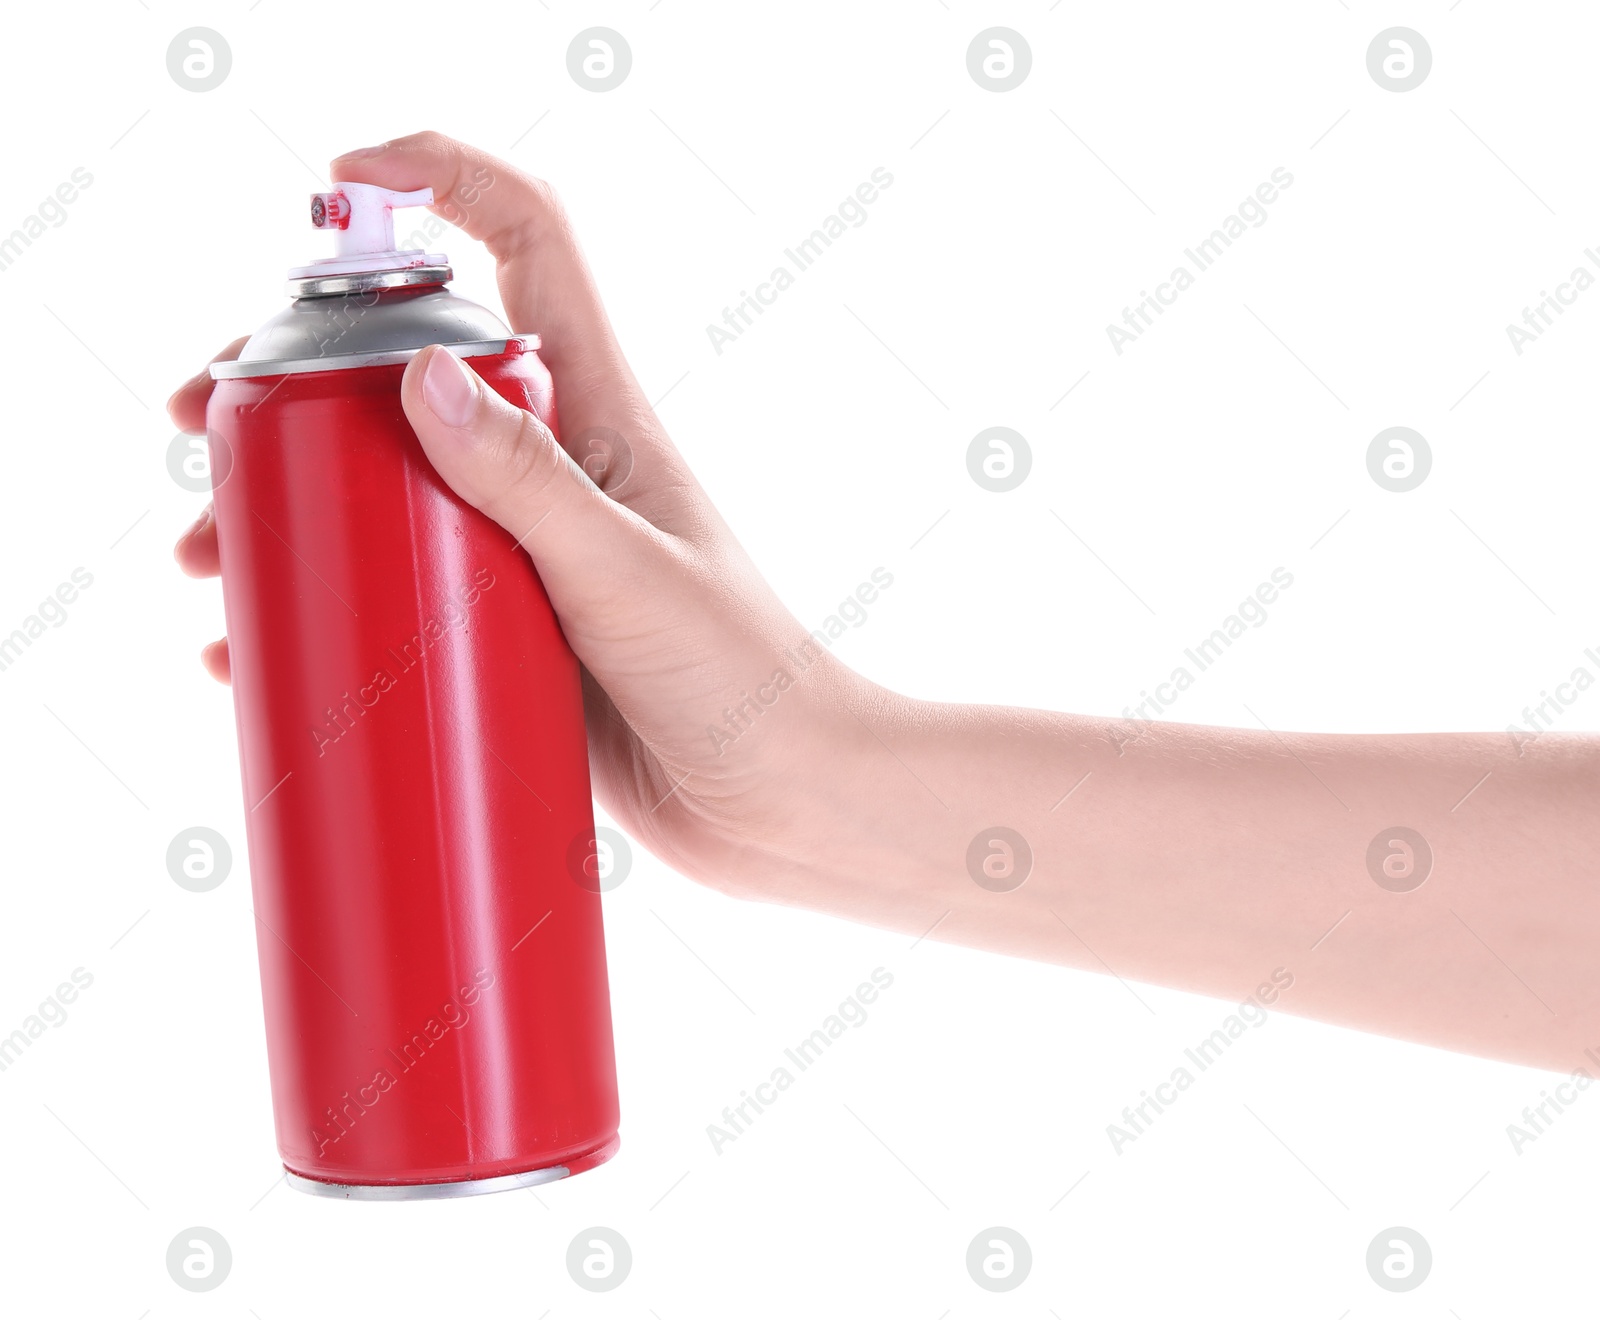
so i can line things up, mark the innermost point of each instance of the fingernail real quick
(198, 526)
(359, 152)
(450, 396)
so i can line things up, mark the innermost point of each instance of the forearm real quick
(1203, 859)
(735, 745)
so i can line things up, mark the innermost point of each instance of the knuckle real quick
(545, 194)
(532, 462)
(548, 215)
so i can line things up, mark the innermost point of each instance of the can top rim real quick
(237, 370)
(325, 285)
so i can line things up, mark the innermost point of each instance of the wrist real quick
(865, 831)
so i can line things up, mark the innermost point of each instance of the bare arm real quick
(1203, 859)
(752, 760)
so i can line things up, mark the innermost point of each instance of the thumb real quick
(504, 461)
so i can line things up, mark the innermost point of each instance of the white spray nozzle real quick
(362, 216)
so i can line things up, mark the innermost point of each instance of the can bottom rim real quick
(445, 1191)
(437, 1191)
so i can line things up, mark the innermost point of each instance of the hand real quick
(1226, 861)
(672, 623)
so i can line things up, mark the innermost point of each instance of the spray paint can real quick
(414, 759)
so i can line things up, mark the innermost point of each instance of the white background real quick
(1212, 451)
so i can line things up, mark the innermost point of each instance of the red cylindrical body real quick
(415, 772)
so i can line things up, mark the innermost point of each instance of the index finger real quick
(187, 406)
(544, 280)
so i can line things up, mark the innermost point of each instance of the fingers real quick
(196, 550)
(214, 656)
(544, 280)
(196, 553)
(187, 406)
(547, 289)
(593, 554)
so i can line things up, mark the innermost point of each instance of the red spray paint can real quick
(414, 760)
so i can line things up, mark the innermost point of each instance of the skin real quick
(1197, 858)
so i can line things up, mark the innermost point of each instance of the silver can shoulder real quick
(368, 328)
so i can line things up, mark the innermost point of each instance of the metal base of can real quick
(436, 1191)
(446, 1191)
